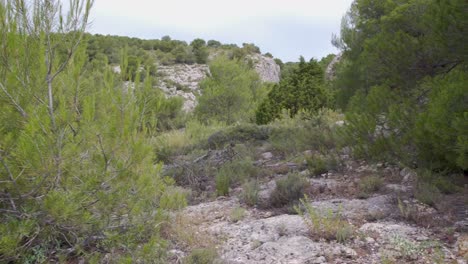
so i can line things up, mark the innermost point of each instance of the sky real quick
(285, 28)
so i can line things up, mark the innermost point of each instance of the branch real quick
(17, 106)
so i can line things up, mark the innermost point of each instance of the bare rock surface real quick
(184, 80)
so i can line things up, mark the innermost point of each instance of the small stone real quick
(349, 252)
(320, 260)
(370, 240)
(267, 156)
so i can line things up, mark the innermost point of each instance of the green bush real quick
(237, 214)
(223, 182)
(250, 192)
(288, 190)
(303, 132)
(237, 134)
(441, 131)
(318, 164)
(234, 172)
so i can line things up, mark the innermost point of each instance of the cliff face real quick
(184, 80)
(266, 67)
(330, 72)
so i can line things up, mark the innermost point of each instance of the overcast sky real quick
(285, 28)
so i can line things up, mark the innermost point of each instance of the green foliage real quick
(441, 130)
(324, 225)
(223, 182)
(302, 90)
(76, 162)
(173, 198)
(234, 172)
(231, 93)
(288, 190)
(250, 192)
(369, 185)
(201, 256)
(427, 193)
(237, 134)
(303, 132)
(200, 50)
(402, 79)
(237, 214)
(316, 165)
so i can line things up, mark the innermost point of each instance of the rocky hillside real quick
(183, 79)
(355, 213)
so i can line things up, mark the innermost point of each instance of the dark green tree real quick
(303, 89)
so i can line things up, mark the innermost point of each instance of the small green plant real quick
(174, 198)
(222, 183)
(326, 225)
(288, 190)
(427, 193)
(405, 209)
(201, 256)
(250, 192)
(281, 229)
(255, 244)
(316, 165)
(234, 172)
(369, 185)
(237, 214)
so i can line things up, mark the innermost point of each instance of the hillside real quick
(125, 150)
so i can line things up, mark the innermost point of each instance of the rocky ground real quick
(389, 226)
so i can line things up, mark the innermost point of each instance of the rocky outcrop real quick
(184, 80)
(330, 72)
(266, 68)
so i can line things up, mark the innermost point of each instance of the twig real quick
(13, 101)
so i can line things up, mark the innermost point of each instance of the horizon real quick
(287, 31)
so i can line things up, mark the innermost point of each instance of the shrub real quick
(222, 183)
(201, 256)
(238, 133)
(237, 214)
(171, 143)
(369, 185)
(174, 198)
(316, 165)
(234, 172)
(303, 132)
(329, 226)
(288, 190)
(250, 192)
(427, 193)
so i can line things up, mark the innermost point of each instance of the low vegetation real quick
(96, 163)
(324, 225)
